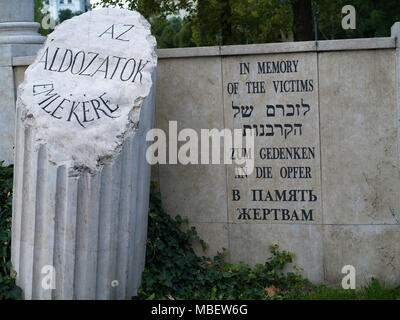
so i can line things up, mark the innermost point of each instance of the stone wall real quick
(351, 126)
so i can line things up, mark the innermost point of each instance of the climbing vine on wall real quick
(174, 271)
(8, 288)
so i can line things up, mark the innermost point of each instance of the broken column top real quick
(83, 94)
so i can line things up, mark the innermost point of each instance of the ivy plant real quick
(174, 271)
(8, 288)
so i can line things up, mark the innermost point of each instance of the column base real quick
(20, 33)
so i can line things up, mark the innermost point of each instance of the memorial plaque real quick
(276, 96)
(83, 94)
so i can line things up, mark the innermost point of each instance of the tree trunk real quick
(226, 22)
(201, 14)
(302, 20)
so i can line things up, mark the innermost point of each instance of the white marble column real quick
(81, 179)
(18, 37)
(91, 229)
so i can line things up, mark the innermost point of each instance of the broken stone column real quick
(82, 181)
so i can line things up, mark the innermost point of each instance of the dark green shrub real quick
(8, 289)
(174, 271)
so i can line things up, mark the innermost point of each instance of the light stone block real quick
(373, 250)
(266, 48)
(188, 52)
(356, 44)
(359, 151)
(193, 99)
(282, 117)
(19, 74)
(22, 61)
(250, 243)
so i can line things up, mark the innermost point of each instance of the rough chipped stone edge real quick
(77, 169)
